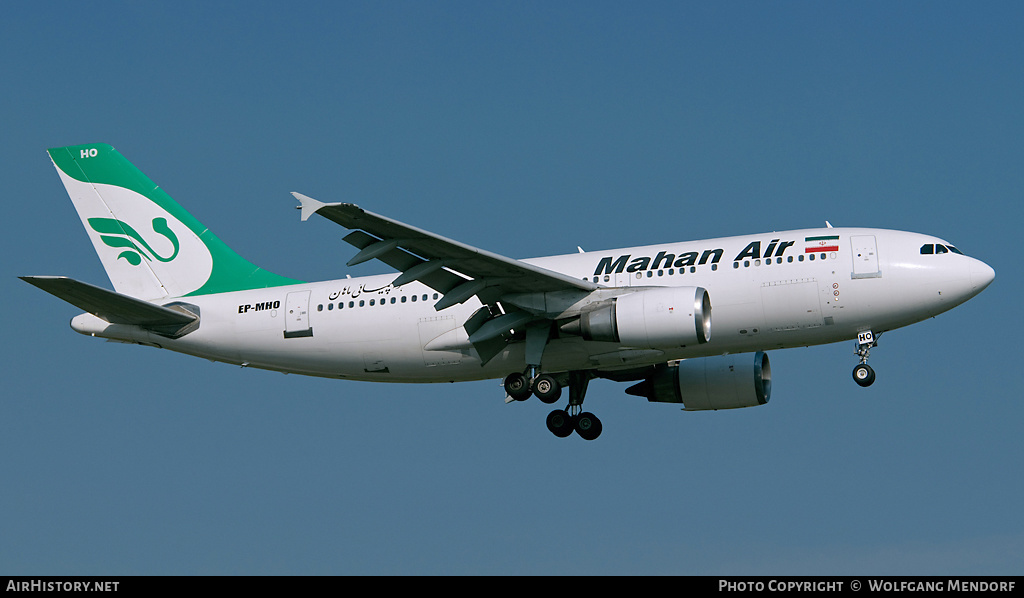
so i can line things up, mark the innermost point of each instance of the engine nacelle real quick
(721, 382)
(663, 317)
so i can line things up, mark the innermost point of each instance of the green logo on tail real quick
(117, 233)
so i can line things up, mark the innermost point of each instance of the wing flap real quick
(395, 243)
(436, 278)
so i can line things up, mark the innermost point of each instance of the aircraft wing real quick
(456, 270)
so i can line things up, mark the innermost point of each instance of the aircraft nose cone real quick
(982, 275)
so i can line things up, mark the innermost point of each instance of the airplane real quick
(456, 313)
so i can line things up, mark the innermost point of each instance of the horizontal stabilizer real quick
(115, 307)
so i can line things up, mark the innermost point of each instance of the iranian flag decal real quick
(821, 244)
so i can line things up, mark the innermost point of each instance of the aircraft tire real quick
(560, 423)
(588, 426)
(546, 388)
(517, 386)
(864, 375)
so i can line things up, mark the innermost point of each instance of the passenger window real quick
(320, 307)
(927, 249)
(330, 307)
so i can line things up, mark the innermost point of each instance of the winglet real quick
(309, 206)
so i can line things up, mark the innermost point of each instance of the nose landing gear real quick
(863, 374)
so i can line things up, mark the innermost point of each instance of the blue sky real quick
(526, 129)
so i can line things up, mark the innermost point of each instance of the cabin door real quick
(296, 315)
(865, 257)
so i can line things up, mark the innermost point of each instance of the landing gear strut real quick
(863, 374)
(562, 422)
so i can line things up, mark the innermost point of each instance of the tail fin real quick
(150, 247)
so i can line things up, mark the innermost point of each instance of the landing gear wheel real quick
(863, 375)
(560, 423)
(546, 388)
(588, 426)
(517, 386)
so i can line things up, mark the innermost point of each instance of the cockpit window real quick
(929, 249)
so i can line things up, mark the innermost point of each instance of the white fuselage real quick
(773, 290)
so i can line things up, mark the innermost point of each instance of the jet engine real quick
(721, 382)
(652, 318)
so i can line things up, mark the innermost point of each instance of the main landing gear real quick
(863, 374)
(561, 422)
